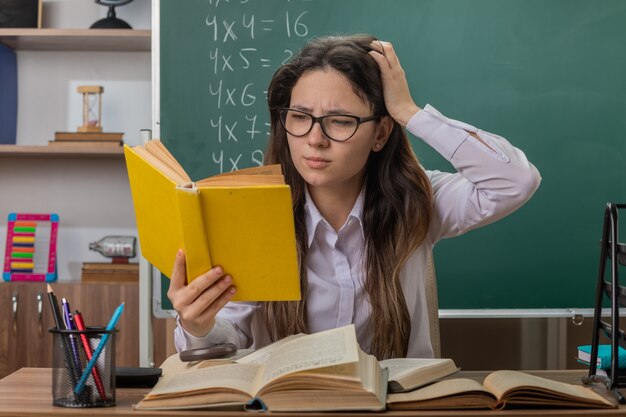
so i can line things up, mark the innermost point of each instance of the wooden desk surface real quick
(28, 392)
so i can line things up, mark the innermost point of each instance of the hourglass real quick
(92, 108)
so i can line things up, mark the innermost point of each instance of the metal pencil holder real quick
(69, 360)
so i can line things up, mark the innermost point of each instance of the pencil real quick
(55, 309)
(60, 325)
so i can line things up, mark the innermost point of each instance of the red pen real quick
(80, 325)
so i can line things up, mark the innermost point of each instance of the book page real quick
(446, 388)
(266, 174)
(262, 355)
(241, 180)
(318, 350)
(274, 169)
(156, 148)
(238, 377)
(370, 374)
(164, 168)
(504, 383)
(401, 366)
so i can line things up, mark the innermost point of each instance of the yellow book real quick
(242, 221)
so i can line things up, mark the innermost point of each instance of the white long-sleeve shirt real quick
(489, 184)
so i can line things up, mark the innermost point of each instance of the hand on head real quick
(198, 303)
(398, 100)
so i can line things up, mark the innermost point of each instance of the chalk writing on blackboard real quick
(242, 45)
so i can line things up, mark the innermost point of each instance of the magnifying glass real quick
(221, 350)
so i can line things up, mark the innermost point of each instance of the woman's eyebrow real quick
(337, 110)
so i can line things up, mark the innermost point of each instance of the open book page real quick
(165, 159)
(267, 174)
(352, 386)
(158, 149)
(503, 384)
(401, 367)
(164, 169)
(173, 365)
(224, 361)
(237, 377)
(444, 391)
(327, 348)
(274, 169)
(262, 355)
(241, 180)
(370, 375)
(220, 400)
(359, 375)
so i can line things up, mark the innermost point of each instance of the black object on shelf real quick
(20, 13)
(111, 21)
(614, 253)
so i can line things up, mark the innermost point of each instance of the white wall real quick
(80, 14)
(48, 100)
(91, 196)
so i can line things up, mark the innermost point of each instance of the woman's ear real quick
(385, 126)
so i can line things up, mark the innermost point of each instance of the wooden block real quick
(109, 272)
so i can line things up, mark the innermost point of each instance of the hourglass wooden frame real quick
(88, 125)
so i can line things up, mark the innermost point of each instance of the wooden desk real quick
(28, 392)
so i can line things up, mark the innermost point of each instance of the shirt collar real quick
(314, 218)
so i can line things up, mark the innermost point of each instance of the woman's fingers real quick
(398, 100)
(385, 50)
(198, 302)
(378, 53)
(211, 311)
(207, 299)
(179, 274)
(188, 294)
(390, 54)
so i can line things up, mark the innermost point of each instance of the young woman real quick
(367, 215)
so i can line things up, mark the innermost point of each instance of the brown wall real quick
(487, 344)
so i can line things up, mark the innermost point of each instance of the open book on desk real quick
(242, 221)
(406, 374)
(325, 371)
(500, 389)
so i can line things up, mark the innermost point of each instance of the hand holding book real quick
(198, 303)
(242, 221)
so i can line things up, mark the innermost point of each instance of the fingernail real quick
(180, 253)
(218, 270)
(233, 290)
(228, 279)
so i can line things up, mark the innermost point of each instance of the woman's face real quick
(324, 163)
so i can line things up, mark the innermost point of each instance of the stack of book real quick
(99, 139)
(109, 272)
(328, 371)
(603, 360)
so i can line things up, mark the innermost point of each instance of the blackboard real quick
(549, 75)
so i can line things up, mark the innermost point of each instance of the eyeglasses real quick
(337, 127)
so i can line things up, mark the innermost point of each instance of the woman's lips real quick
(315, 162)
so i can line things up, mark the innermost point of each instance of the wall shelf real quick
(61, 151)
(76, 39)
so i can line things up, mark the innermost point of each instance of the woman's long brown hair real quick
(397, 203)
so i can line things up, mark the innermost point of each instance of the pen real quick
(69, 325)
(80, 325)
(60, 325)
(114, 319)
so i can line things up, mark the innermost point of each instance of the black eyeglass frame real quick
(359, 120)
